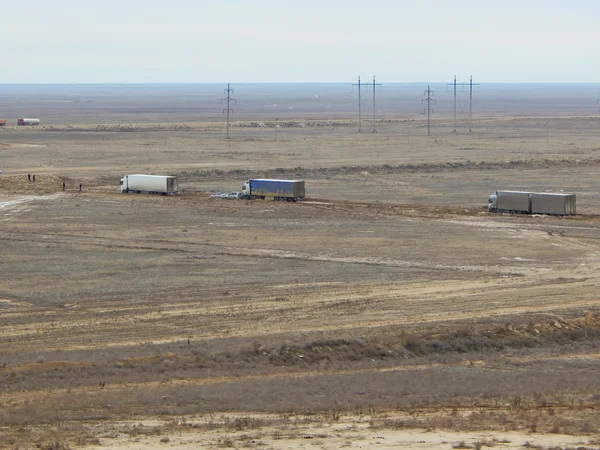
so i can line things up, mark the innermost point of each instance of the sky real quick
(198, 41)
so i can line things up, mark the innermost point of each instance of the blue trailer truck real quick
(284, 190)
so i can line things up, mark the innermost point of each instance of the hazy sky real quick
(139, 41)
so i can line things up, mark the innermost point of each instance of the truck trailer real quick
(27, 122)
(151, 184)
(532, 203)
(555, 204)
(285, 190)
(2, 122)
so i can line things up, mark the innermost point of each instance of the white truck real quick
(151, 184)
(27, 122)
(526, 202)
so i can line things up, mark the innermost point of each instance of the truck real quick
(2, 122)
(151, 184)
(284, 190)
(25, 122)
(526, 202)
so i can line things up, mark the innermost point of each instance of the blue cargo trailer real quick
(285, 190)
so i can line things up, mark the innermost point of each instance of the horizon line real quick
(366, 83)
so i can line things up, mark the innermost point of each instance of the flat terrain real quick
(389, 308)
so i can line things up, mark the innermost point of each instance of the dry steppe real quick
(388, 309)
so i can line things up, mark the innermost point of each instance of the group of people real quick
(31, 179)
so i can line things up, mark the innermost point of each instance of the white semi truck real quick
(525, 202)
(151, 184)
(27, 122)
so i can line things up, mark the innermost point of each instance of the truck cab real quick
(492, 202)
(246, 188)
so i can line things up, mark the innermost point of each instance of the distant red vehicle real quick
(25, 122)
(2, 122)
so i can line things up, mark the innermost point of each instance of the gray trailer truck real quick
(286, 190)
(532, 203)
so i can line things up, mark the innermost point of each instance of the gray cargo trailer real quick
(510, 201)
(532, 203)
(556, 204)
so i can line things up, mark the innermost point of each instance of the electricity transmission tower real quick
(228, 93)
(470, 84)
(374, 120)
(471, 101)
(359, 116)
(359, 84)
(428, 99)
(450, 84)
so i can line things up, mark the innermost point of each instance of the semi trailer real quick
(285, 190)
(27, 122)
(151, 184)
(525, 202)
(2, 122)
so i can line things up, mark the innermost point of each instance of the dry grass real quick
(116, 307)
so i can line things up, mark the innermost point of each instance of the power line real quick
(428, 110)
(228, 93)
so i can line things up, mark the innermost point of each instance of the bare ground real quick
(388, 309)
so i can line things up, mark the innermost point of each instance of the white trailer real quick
(27, 122)
(151, 184)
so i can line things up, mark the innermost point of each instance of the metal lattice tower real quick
(428, 110)
(228, 93)
(374, 119)
(470, 84)
(360, 85)
(471, 102)
(359, 116)
(450, 84)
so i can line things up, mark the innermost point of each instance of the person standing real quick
(80, 187)
(34, 177)
(64, 185)
(29, 177)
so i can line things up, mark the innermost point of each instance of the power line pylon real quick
(450, 84)
(470, 84)
(361, 85)
(374, 119)
(228, 93)
(359, 115)
(428, 110)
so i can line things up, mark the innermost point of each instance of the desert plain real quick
(388, 309)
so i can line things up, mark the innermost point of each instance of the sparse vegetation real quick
(394, 309)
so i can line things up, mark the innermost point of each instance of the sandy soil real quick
(387, 309)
